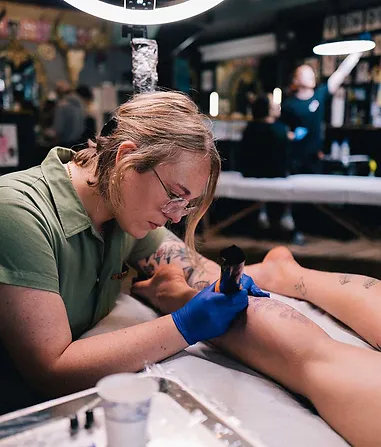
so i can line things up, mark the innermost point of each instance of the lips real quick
(153, 225)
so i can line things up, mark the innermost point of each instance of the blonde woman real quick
(71, 227)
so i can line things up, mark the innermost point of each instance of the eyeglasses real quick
(176, 204)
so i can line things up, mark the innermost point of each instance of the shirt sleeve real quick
(26, 255)
(147, 246)
(322, 92)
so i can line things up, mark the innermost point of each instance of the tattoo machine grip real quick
(232, 261)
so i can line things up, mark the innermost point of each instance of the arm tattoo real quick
(301, 287)
(284, 311)
(344, 279)
(173, 250)
(370, 282)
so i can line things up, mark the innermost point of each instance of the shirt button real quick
(97, 280)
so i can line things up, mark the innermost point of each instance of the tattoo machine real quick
(232, 261)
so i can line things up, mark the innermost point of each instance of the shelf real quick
(354, 127)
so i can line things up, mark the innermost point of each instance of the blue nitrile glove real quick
(300, 133)
(252, 289)
(209, 314)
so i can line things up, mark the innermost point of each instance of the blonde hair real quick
(161, 124)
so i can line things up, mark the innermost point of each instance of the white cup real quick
(126, 402)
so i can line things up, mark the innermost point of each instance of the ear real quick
(125, 148)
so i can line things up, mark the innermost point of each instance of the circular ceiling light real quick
(344, 47)
(145, 12)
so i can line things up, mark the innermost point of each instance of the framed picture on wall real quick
(352, 23)
(330, 28)
(373, 19)
(9, 153)
(363, 74)
(328, 65)
(237, 81)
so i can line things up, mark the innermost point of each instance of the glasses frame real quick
(179, 203)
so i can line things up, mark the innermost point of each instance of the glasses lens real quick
(188, 210)
(175, 205)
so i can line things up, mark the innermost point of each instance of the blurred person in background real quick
(306, 108)
(69, 117)
(47, 111)
(265, 154)
(87, 97)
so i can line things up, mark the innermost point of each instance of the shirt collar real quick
(71, 213)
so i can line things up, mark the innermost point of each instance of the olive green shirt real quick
(48, 242)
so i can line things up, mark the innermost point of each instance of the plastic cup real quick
(126, 402)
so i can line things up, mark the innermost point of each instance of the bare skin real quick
(352, 299)
(342, 381)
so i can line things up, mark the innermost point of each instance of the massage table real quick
(262, 407)
(319, 190)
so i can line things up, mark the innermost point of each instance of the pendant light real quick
(145, 12)
(344, 47)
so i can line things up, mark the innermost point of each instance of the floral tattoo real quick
(174, 249)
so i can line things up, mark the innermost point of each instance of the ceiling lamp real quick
(145, 12)
(344, 47)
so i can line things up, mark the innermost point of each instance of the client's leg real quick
(342, 381)
(353, 299)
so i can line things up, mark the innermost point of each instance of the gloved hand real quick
(208, 314)
(252, 289)
(300, 133)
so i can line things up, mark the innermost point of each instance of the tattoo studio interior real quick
(190, 208)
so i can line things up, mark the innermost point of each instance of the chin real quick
(140, 234)
(136, 231)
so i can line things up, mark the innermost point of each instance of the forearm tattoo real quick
(345, 279)
(301, 287)
(284, 311)
(173, 249)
